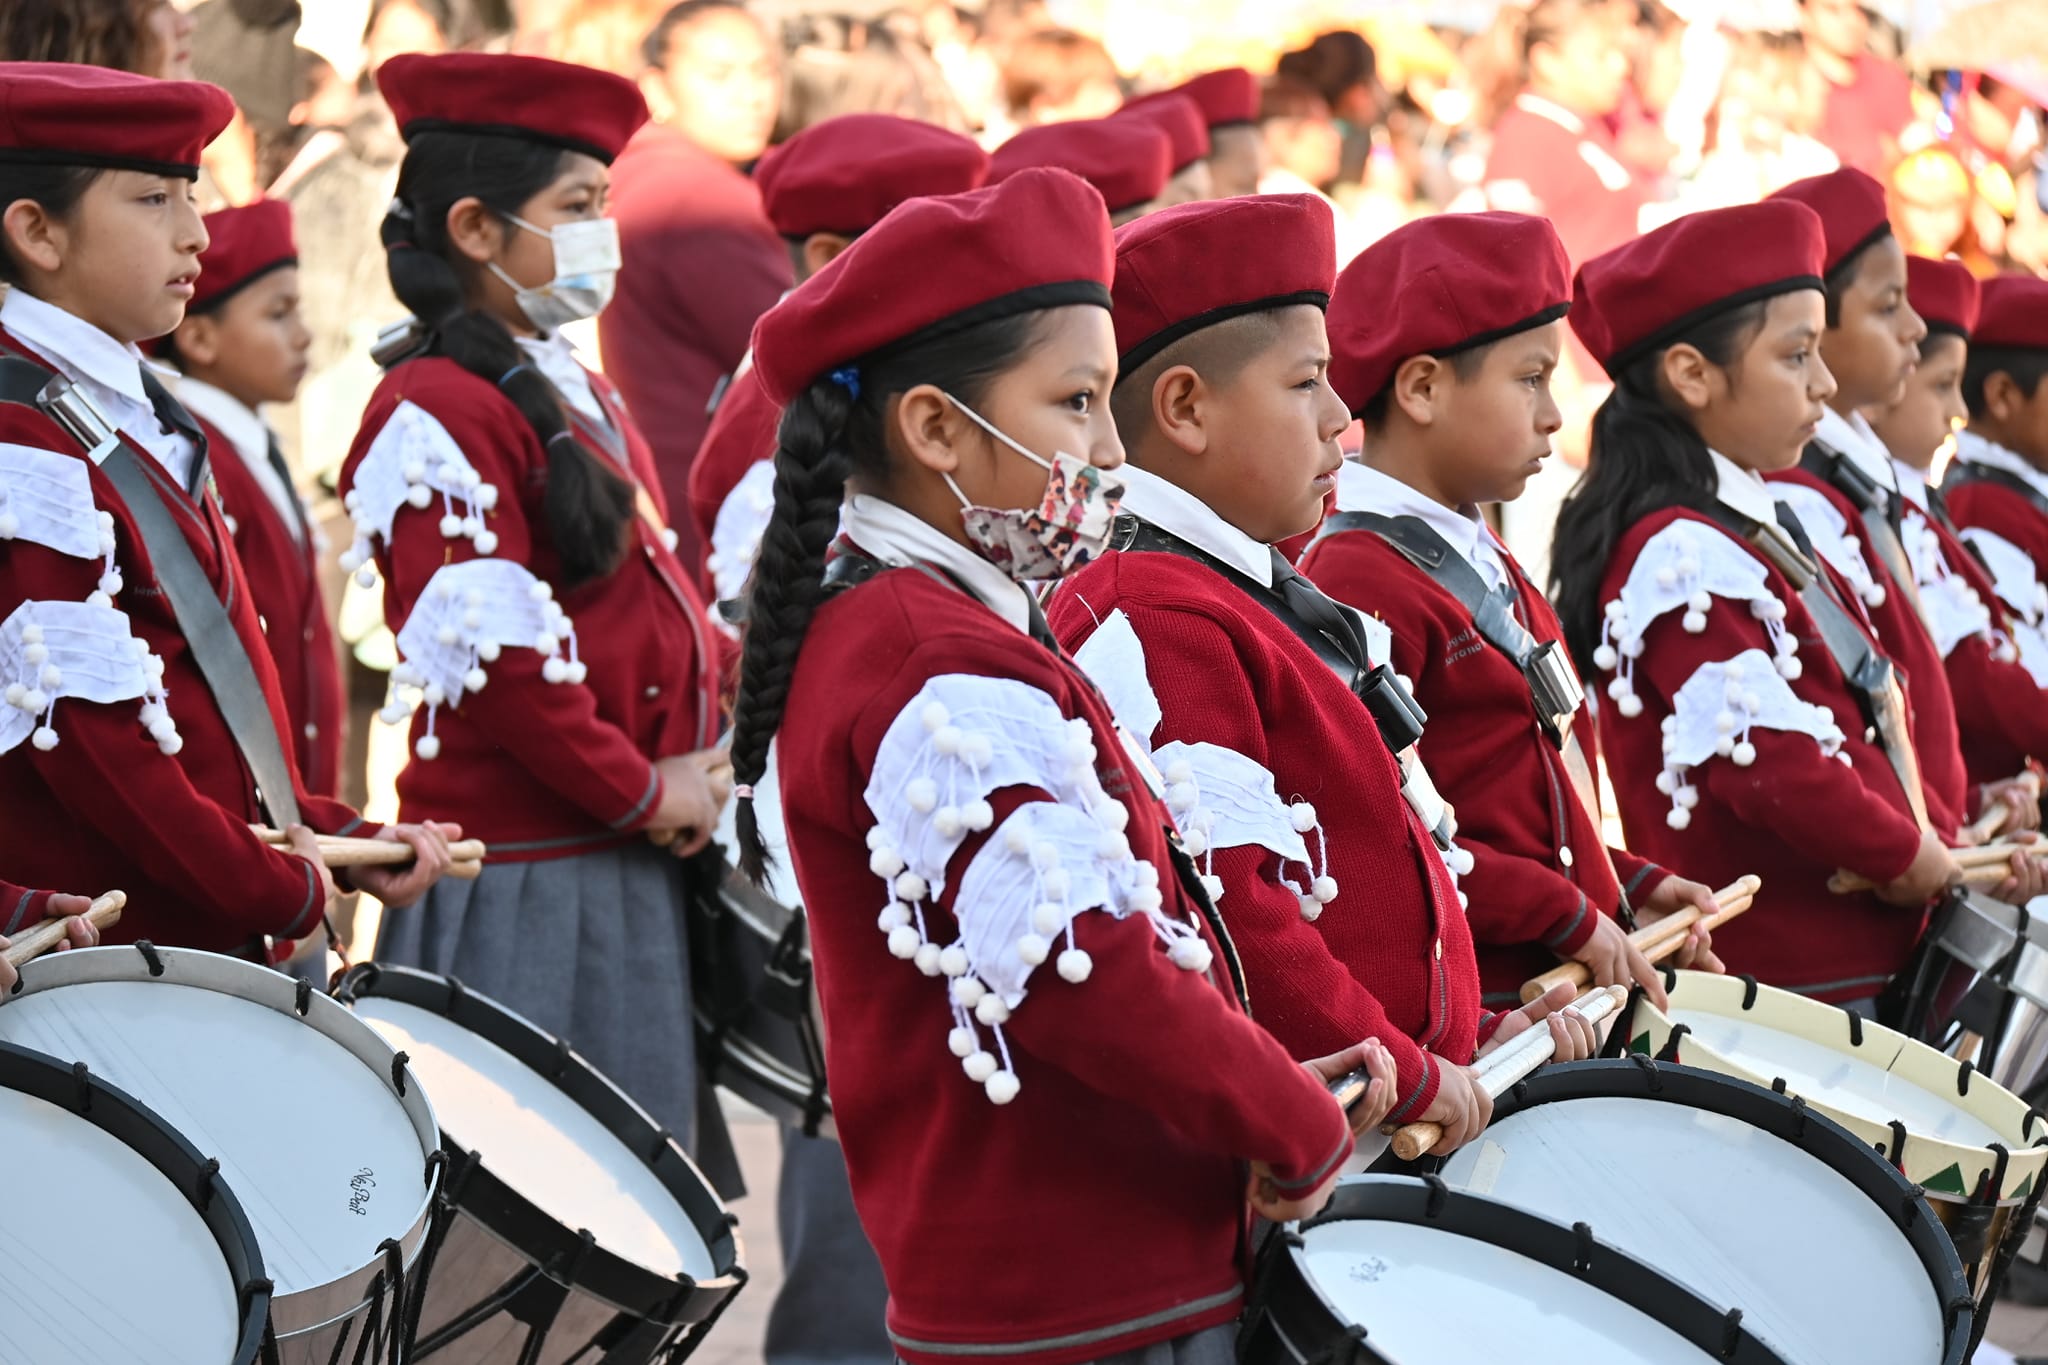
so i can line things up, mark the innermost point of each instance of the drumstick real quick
(1992, 819)
(1507, 1064)
(1654, 941)
(47, 935)
(1982, 866)
(337, 850)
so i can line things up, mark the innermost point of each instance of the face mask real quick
(1070, 526)
(586, 268)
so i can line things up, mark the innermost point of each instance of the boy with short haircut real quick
(1444, 335)
(1283, 739)
(1996, 663)
(243, 344)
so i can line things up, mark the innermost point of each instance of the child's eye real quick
(156, 199)
(1310, 384)
(1081, 402)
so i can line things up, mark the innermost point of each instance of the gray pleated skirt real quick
(592, 948)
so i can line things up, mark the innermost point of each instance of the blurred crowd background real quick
(1608, 115)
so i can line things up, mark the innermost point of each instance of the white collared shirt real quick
(1361, 488)
(556, 359)
(1853, 437)
(1743, 489)
(1977, 450)
(108, 371)
(1912, 483)
(1178, 512)
(250, 436)
(897, 538)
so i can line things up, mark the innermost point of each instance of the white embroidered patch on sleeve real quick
(411, 461)
(469, 613)
(1951, 608)
(1684, 567)
(1223, 799)
(1714, 713)
(1114, 659)
(81, 651)
(737, 530)
(1832, 537)
(46, 499)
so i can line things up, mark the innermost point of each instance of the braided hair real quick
(588, 506)
(830, 433)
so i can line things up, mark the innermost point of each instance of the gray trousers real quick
(830, 1309)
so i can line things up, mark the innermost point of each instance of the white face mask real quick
(586, 270)
(1071, 525)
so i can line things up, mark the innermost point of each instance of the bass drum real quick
(1750, 1198)
(759, 1032)
(1393, 1269)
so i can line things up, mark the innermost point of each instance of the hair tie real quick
(847, 377)
(505, 377)
(563, 435)
(744, 791)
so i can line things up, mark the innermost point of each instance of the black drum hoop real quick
(126, 1119)
(1783, 1116)
(513, 1218)
(1315, 1330)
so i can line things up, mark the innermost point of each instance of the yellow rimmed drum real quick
(1975, 1147)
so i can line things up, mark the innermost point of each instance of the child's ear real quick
(1419, 388)
(1688, 375)
(198, 339)
(474, 229)
(32, 236)
(929, 428)
(1179, 396)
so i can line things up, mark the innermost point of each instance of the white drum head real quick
(1738, 1216)
(325, 1159)
(1416, 1288)
(540, 1142)
(101, 1257)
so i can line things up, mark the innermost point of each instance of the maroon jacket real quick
(106, 808)
(1391, 956)
(2002, 711)
(539, 769)
(1492, 760)
(1142, 1088)
(701, 263)
(1793, 816)
(284, 580)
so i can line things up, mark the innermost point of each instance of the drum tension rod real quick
(398, 1061)
(1963, 1077)
(1731, 1332)
(303, 1000)
(82, 1079)
(149, 955)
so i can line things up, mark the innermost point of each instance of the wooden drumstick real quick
(1507, 1064)
(1993, 819)
(338, 850)
(1983, 866)
(1654, 941)
(47, 935)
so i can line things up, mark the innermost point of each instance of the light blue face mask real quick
(586, 271)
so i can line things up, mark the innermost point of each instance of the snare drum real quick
(573, 1228)
(1971, 1144)
(316, 1122)
(119, 1242)
(1750, 1199)
(1396, 1270)
(759, 1032)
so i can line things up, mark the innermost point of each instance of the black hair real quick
(588, 506)
(1644, 458)
(54, 189)
(1465, 363)
(654, 47)
(828, 435)
(2027, 366)
(1334, 63)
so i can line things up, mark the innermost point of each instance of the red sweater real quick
(284, 580)
(106, 808)
(1793, 816)
(21, 908)
(540, 769)
(1391, 956)
(742, 435)
(1903, 636)
(1142, 1088)
(1492, 760)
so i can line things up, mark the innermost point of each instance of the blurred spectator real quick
(606, 34)
(1342, 68)
(854, 67)
(1763, 124)
(1553, 149)
(1051, 75)
(1936, 211)
(1304, 149)
(147, 37)
(428, 26)
(1187, 133)
(245, 47)
(701, 260)
(1867, 101)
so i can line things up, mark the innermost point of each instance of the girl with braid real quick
(556, 670)
(968, 828)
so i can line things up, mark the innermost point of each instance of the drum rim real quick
(2026, 1154)
(1429, 1202)
(316, 1306)
(522, 1225)
(127, 1120)
(1790, 1119)
(754, 1073)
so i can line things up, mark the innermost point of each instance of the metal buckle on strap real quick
(1394, 709)
(1554, 686)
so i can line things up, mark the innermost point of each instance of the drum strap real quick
(1963, 473)
(1878, 507)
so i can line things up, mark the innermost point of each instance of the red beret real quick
(92, 116)
(2014, 315)
(1851, 208)
(1635, 298)
(843, 174)
(1127, 160)
(558, 104)
(1944, 293)
(1224, 97)
(247, 243)
(1440, 285)
(1180, 118)
(1038, 240)
(1195, 265)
